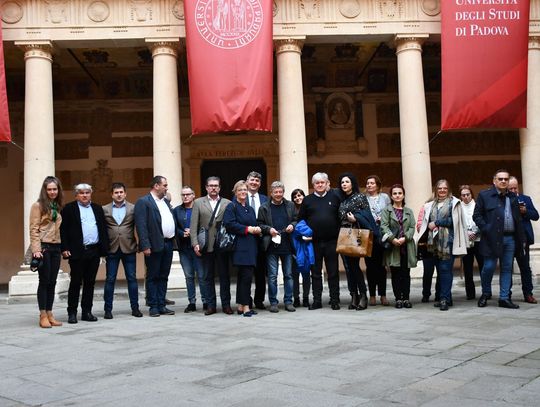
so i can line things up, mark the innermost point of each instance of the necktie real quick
(252, 202)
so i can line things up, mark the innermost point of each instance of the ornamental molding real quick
(289, 45)
(164, 48)
(534, 42)
(116, 20)
(36, 50)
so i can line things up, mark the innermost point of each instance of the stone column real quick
(415, 159)
(291, 125)
(38, 148)
(530, 144)
(167, 154)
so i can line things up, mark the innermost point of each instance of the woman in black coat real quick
(240, 219)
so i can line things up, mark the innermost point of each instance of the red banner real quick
(230, 63)
(5, 130)
(484, 63)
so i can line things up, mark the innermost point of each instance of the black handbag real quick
(225, 241)
(422, 250)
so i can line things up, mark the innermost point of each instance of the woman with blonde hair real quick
(45, 220)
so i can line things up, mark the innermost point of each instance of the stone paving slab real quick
(382, 356)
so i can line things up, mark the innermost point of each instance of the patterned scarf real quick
(439, 239)
(54, 211)
(353, 203)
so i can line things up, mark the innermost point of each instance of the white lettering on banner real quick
(494, 15)
(229, 24)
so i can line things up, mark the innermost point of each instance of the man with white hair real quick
(320, 211)
(84, 240)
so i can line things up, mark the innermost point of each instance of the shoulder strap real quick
(214, 214)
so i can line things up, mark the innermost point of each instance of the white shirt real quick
(257, 200)
(167, 220)
(213, 202)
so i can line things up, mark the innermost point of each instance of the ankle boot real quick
(52, 320)
(44, 320)
(354, 301)
(363, 301)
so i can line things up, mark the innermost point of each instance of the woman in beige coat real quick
(45, 220)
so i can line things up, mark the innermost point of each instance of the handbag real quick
(202, 234)
(28, 255)
(422, 250)
(225, 241)
(354, 242)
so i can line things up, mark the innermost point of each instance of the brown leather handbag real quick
(355, 242)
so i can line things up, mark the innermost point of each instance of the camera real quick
(36, 263)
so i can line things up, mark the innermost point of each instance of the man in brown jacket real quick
(122, 246)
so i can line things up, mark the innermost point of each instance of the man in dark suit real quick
(255, 200)
(498, 217)
(84, 240)
(528, 213)
(212, 261)
(119, 215)
(155, 226)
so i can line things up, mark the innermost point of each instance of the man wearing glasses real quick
(188, 259)
(212, 261)
(498, 217)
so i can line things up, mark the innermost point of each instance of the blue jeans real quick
(158, 267)
(272, 262)
(446, 276)
(505, 278)
(129, 262)
(191, 266)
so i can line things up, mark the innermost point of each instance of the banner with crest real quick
(230, 64)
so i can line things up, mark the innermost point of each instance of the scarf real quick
(54, 211)
(439, 239)
(353, 203)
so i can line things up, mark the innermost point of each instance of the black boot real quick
(354, 301)
(363, 301)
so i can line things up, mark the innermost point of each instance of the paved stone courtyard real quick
(382, 356)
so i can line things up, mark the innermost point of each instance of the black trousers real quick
(243, 285)
(325, 250)
(217, 263)
(376, 272)
(468, 263)
(48, 273)
(260, 277)
(306, 283)
(83, 272)
(401, 279)
(355, 277)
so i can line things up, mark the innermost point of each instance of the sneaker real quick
(407, 304)
(166, 311)
(399, 304)
(290, 307)
(530, 299)
(273, 308)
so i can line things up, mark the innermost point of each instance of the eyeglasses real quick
(502, 179)
(187, 194)
(213, 186)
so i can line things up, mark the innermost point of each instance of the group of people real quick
(299, 235)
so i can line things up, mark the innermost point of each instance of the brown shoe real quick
(228, 310)
(372, 301)
(384, 301)
(52, 320)
(210, 311)
(530, 299)
(44, 321)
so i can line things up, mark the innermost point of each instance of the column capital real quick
(406, 42)
(534, 42)
(36, 49)
(164, 46)
(289, 45)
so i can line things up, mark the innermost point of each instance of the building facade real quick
(98, 92)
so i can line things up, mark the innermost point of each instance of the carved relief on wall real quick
(391, 9)
(98, 11)
(178, 9)
(431, 7)
(11, 12)
(350, 8)
(56, 11)
(275, 8)
(140, 10)
(309, 9)
(339, 111)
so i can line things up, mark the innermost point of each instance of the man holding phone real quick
(528, 213)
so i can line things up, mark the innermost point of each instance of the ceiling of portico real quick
(324, 65)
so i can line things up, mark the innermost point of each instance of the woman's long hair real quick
(437, 185)
(44, 201)
(354, 184)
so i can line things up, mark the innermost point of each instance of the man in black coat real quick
(156, 229)
(498, 217)
(84, 240)
(320, 211)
